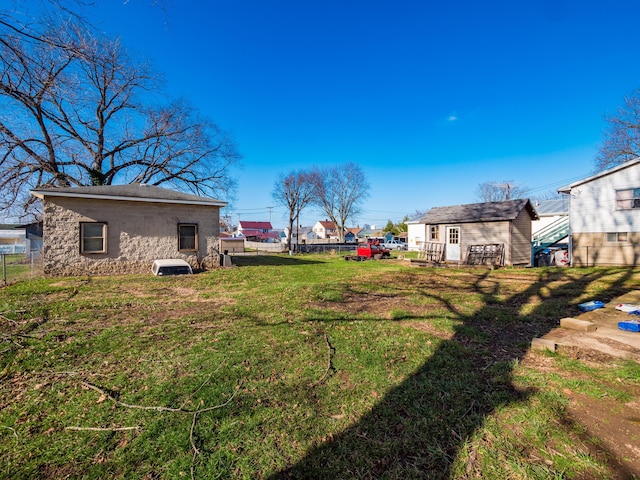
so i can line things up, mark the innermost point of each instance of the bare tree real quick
(499, 191)
(340, 192)
(295, 191)
(76, 109)
(622, 139)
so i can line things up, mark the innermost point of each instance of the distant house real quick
(604, 217)
(123, 228)
(298, 231)
(458, 227)
(13, 238)
(352, 234)
(307, 234)
(350, 237)
(257, 231)
(19, 238)
(325, 229)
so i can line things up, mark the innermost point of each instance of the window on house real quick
(187, 237)
(617, 237)
(626, 199)
(434, 232)
(93, 237)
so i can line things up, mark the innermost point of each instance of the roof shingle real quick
(134, 191)
(478, 212)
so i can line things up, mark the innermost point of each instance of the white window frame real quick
(84, 237)
(628, 199)
(617, 237)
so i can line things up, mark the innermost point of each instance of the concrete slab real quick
(577, 325)
(543, 344)
(607, 337)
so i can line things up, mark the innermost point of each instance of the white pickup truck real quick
(394, 245)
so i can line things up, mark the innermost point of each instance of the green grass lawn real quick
(299, 367)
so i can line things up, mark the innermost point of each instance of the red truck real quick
(369, 250)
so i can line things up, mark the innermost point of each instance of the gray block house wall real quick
(139, 229)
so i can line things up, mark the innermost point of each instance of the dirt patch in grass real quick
(614, 424)
(430, 328)
(369, 303)
(609, 427)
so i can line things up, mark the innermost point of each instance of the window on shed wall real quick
(187, 237)
(627, 199)
(617, 237)
(433, 232)
(93, 237)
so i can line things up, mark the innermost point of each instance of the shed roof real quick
(136, 192)
(479, 212)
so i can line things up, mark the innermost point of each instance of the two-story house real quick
(604, 215)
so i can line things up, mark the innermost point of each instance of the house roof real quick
(255, 225)
(327, 225)
(631, 163)
(135, 192)
(11, 226)
(478, 212)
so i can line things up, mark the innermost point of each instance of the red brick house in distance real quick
(257, 231)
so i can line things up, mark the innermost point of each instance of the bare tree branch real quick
(77, 109)
(500, 191)
(622, 139)
(295, 191)
(340, 192)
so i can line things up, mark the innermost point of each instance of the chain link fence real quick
(16, 267)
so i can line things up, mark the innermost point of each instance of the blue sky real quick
(430, 98)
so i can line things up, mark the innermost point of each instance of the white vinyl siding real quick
(597, 206)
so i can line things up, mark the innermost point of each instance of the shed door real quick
(453, 244)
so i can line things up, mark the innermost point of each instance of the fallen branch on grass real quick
(13, 430)
(104, 394)
(330, 367)
(7, 319)
(160, 408)
(9, 339)
(103, 429)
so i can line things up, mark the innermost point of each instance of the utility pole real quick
(269, 208)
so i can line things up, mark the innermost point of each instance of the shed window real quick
(187, 237)
(627, 199)
(93, 237)
(433, 235)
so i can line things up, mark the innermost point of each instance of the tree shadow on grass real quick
(419, 427)
(254, 260)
